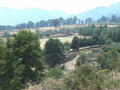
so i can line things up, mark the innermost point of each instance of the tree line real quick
(97, 36)
(114, 19)
(103, 32)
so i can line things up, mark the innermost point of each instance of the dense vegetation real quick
(98, 74)
(97, 36)
(22, 61)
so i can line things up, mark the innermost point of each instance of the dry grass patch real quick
(48, 84)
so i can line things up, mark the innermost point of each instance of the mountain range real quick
(10, 16)
(97, 12)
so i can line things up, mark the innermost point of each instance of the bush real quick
(86, 77)
(49, 84)
(82, 59)
(109, 58)
(67, 46)
(55, 73)
(108, 41)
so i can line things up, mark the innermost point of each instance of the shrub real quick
(86, 77)
(109, 59)
(55, 73)
(82, 59)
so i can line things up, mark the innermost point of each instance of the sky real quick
(68, 6)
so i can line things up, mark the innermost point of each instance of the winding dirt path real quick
(70, 66)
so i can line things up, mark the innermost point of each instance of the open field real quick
(62, 39)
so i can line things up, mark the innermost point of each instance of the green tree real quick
(54, 52)
(20, 61)
(75, 43)
(11, 69)
(26, 48)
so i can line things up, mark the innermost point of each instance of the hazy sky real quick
(68, 6)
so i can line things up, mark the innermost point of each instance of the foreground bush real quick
(49, 84)
(86, 77)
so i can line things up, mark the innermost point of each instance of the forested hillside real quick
(24, 65)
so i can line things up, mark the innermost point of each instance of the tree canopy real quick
(54, 52)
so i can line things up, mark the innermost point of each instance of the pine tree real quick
(75, 43)
(11, 69)
(26, 48)
(54, 52)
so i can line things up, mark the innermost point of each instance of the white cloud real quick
(69, 6)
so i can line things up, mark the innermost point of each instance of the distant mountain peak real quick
(97, 12)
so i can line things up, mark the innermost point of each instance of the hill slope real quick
(100, 11)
